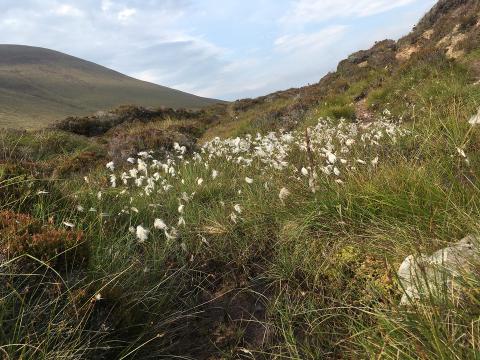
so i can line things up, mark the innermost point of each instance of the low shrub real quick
(21, 234)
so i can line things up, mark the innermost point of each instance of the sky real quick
(225, 49)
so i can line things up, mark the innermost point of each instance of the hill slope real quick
(38, 86)
(451, 29)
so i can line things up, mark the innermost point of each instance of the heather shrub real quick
(21, 234)
(78, 164)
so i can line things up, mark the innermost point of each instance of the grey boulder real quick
(442, 273)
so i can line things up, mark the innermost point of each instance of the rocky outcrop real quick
(451, 25)
(380, 55)
(443, 273)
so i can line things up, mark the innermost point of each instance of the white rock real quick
(475, 119)
(424, 276)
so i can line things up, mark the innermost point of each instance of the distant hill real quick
(39, 86)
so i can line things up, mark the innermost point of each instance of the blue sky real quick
(226, 49)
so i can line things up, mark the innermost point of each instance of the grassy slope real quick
(317, 270)
(39, 86)
(321, 264)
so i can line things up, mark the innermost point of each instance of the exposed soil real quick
(230, 322)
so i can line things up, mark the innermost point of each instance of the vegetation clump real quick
(103, 121)
(21, 234)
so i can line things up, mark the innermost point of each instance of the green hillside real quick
(39, 86)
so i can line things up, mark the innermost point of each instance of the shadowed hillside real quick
(38, 86)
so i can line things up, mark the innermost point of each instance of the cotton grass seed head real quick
(142, 233)
(160, 224)
(284, 193)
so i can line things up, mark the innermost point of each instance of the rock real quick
(475, 119)
(405, 53)
(424, 276)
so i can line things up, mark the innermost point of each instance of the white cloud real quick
(306, 11)
(126, 14)
(146, 75)
(309, 41)
(106, 5)
(67, 10)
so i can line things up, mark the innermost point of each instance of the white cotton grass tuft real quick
(142, 233)
(142, 166)
(331, 158)
(181, 221)
(110, 166)
(172, 235)
(185, 197)
(312, 184)
(340, 147)
(160, 224)
(181, 209)
(113, 180)
(283, 194)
